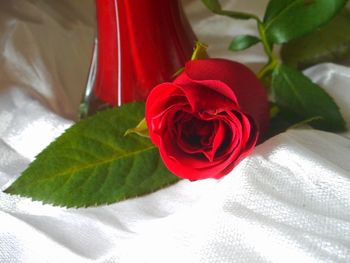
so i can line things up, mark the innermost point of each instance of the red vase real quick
(140, 43)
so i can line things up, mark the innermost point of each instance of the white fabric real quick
(288, 202)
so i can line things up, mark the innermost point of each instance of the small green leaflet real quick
(243, 42)
(298, 94)
(93, 163)
(212, 5)
(286, 20)
(215, 7)
(331, 43)
(141, 129)
(200, 51)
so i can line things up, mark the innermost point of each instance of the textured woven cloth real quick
(287, 202)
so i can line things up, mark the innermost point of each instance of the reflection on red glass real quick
(141, 43)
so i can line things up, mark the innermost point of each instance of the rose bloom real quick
(208, 119)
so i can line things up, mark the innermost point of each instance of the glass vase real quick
(139, 44)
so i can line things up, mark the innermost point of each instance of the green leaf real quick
(329, 44)
(298, 94)
(286, 20)
(212, 5)
(141, 129)
(92, 163)
(215, 7)
(243, 42)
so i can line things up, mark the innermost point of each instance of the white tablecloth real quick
(287, 202)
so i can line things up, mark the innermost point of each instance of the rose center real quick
(194, 135)
(198, 133)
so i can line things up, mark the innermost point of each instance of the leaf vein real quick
(290, 84)
(289, 6)
(93, 165)
(116, 149)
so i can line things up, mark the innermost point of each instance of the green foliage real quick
(215, 7)
(296, 93)
(331, 43)
(92, 163)
(212, 5)
(296, 100)
(286, 20)
(243, 42)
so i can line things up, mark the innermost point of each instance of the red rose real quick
(208, 119)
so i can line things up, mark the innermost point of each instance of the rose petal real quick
(215, 85)
(220, 133)
(210, 101)
(248, 90)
